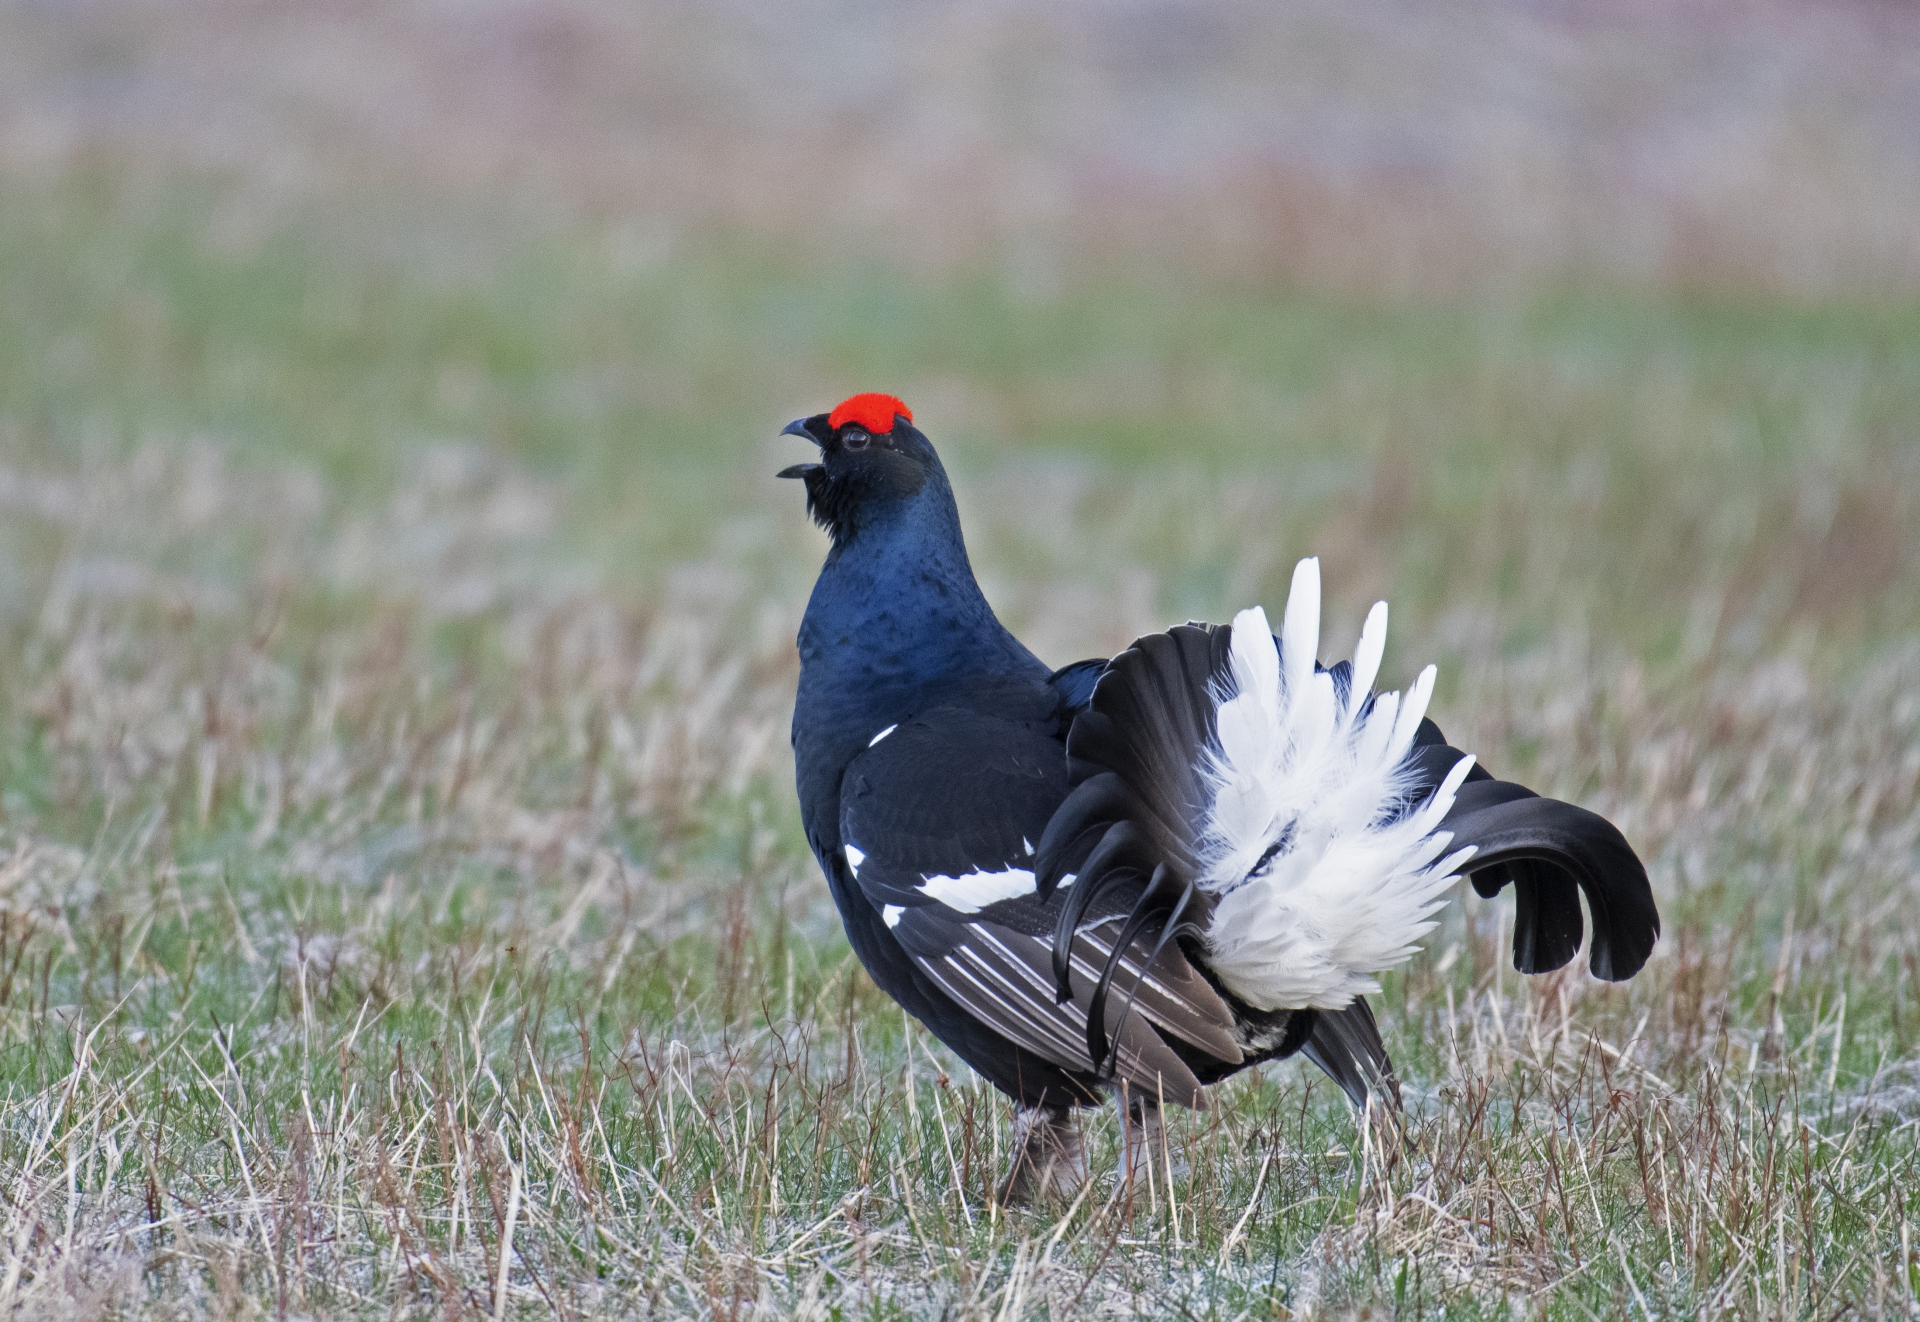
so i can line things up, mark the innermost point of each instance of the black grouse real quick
(1138, 876)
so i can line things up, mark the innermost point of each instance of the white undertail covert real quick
(1323, 870)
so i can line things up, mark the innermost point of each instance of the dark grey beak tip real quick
(798, 427)
(798, 470)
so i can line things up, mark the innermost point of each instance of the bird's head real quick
(873, 462)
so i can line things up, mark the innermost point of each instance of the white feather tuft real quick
(1300, 626)
(1324, 873)
(974, 891)
(1366, 656)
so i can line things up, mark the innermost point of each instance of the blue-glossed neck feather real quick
(896, 623)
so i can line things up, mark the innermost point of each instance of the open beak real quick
(798, 427)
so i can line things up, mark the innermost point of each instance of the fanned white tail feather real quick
(1324, 873)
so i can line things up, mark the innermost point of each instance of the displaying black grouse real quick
(1144, 874)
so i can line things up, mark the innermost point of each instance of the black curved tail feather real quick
(1346, 1044)
(1126, 832)
(1549, 852)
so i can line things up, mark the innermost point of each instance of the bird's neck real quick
(897, 623)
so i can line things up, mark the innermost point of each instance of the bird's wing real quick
(939, 819)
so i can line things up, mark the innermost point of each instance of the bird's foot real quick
(1146, 1152)
(1049, 1162)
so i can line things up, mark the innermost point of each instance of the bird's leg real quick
(1145, 1146)
(1048, 1159)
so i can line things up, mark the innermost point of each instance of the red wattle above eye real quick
(874, 412)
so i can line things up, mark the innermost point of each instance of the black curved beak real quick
(804, 427)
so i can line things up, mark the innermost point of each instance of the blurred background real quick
(418, 338)
(1333, 248)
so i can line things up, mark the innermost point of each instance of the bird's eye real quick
(853, 438)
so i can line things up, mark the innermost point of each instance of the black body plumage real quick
(1017, 853)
